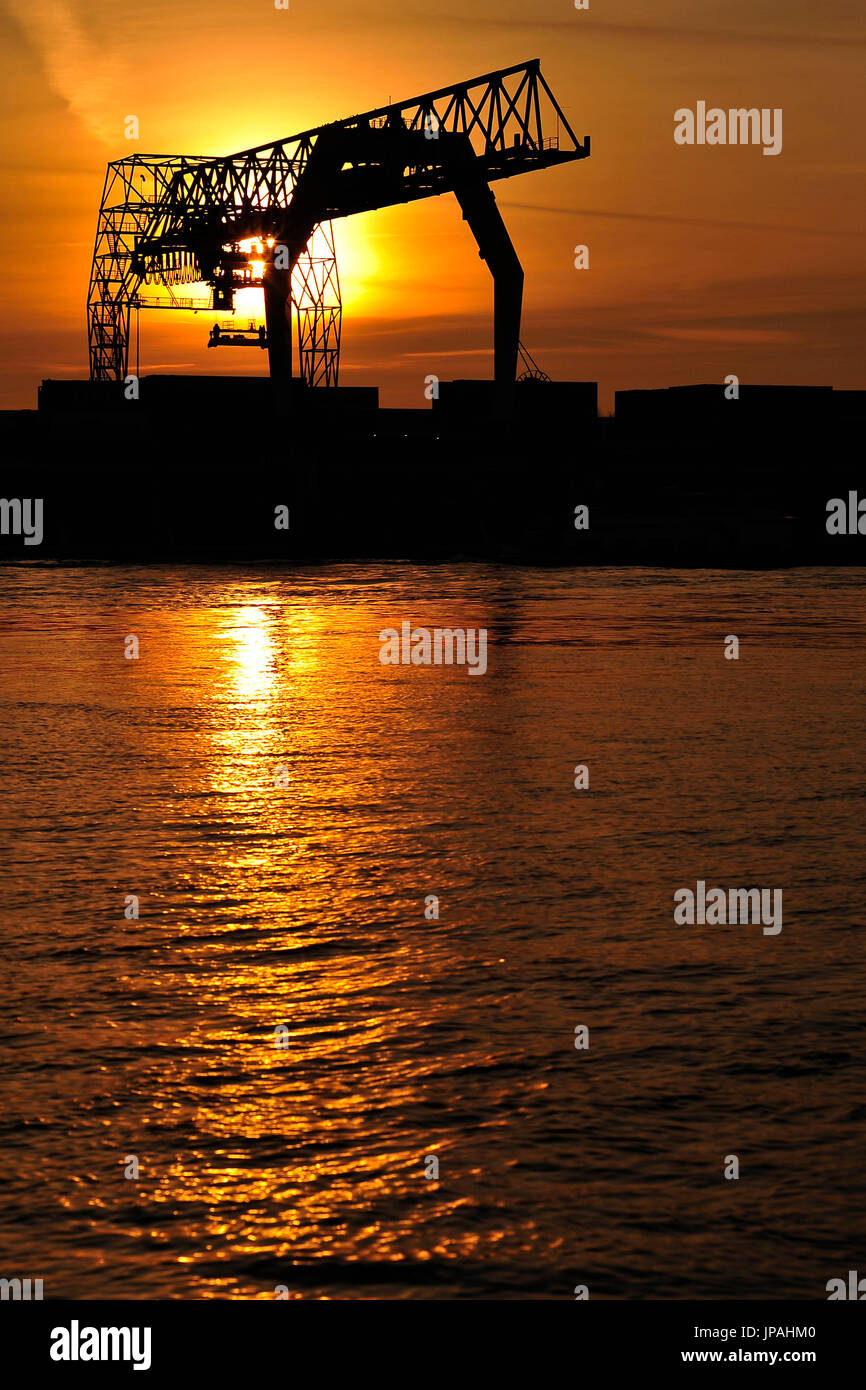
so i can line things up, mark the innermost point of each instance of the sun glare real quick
(358, 264)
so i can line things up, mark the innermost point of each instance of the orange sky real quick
(703, 261)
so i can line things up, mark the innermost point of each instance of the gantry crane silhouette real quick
(176, 219)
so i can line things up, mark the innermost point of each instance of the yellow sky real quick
(703, 261)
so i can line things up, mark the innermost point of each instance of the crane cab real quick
(232, 335)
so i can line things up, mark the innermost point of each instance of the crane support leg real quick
(277, 285)
(480, 210)
(278, 319)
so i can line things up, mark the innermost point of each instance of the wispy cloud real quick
(720, 225)
(89, 78)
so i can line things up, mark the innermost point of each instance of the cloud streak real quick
(584, 29)
(687, 221)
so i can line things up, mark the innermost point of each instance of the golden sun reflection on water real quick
(251, 661)
(289, 1149)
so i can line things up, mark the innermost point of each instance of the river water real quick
(282, 1038)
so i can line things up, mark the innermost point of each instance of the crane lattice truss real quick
(172, 219)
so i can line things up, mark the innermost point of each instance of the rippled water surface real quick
(282, 804)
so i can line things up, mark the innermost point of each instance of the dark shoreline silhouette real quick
(194, 470)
